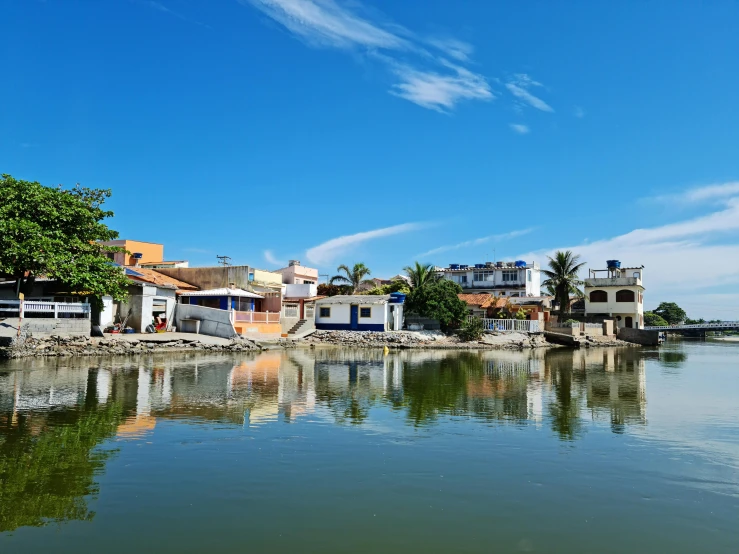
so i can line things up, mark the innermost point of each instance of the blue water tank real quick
(479, 266)
(520, 263)
(453, 266)
(463, 266)
(613, 264)
(397, 298)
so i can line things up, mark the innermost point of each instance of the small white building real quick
(296, 274)
(360, 312)
(519, 278)
(616, 292)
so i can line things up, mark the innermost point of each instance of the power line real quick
(224, 260)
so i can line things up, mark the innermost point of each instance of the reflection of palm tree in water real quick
(564, 410)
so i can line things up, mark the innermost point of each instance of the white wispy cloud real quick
(708, 193)
(158, 6)
(328, 251)
(453, 48)
(578, 112)
(687, 260)
(425, 77)
(475, 242)
(519, 87)
(438, 91)
(520, 128)
(272, 259)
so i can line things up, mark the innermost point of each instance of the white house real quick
(519, 278)
(360, 313)
(616, 292)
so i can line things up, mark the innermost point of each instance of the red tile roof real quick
(156, 278)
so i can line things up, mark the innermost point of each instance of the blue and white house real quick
(360, 312)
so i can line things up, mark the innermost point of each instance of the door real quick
(629, 322)
(354, 317)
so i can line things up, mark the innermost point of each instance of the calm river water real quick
(621, 450)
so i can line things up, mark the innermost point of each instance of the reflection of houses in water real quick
(616, 388)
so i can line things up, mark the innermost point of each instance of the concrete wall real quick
(44, 327)
(300, 291)
(211, 277)
(428, 324)
(152, 252)
(213, 322)
(639, 336)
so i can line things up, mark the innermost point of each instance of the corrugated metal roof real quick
(240, 293)
(355, 299)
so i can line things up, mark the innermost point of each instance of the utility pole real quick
(324, 275)
(224, 260)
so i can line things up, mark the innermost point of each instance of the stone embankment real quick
(424, 339)
(86, 346)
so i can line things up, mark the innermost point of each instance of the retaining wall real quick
(213, 322)
(65, 327)
(639, 336)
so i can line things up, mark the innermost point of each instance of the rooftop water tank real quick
(520, 263)
(397, 298)
(498, 264)
(137, 255)
(613, 264)
(453, 266)
(479, 266)
(463, 266)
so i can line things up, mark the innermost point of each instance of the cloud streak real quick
(424, 74)
(271, 259)
(520, 128)
(475, 242)
(709, 193)
(328, 251)
(519, 87)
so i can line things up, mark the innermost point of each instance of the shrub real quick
(472, 329)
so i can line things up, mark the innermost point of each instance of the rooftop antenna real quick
(324, 275)
(224, 260)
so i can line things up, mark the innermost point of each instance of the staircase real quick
(297, 327)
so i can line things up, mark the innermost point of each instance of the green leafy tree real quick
(332, 290)
(399, 285)
(671, 313)
(439, 301)
(421, 275)
(562, 277)
(355, 276)
(54, 232)
(653, 320)
(472, 329)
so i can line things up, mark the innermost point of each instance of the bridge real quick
(697, 329)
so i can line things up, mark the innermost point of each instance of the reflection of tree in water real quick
(49, 460)
(344, 388)
(565, 408)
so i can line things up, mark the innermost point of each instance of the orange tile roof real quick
(475, 299)
(156, 278)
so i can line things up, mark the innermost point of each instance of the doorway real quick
(354, 323)
(629, 322)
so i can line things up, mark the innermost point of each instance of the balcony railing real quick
(255, 317)
(11, 308)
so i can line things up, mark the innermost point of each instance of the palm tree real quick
(562, 277)
(421, 275)
(354, 277)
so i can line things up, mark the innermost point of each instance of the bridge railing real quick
(721, 325)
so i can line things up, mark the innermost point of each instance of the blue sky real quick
(344, 131)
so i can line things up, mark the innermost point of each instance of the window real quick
(625, 296)
(365, 312)
(528, 275)
(324, 312)
(599, 296)
(637, 274)
(463, 279)
(483, 276)
(308, 282)
(510, 275)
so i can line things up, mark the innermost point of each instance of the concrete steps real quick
(296, 328)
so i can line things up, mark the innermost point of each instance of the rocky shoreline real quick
(57, 346)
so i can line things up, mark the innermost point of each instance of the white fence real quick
(10, 308)
(511, 325)
(255, 317)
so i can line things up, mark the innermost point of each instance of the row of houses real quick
(225, 300)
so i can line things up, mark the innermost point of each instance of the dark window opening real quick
(599, 296)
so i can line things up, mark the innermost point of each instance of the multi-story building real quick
(143, 254)
(517, 278)
(296, 274)
(616, 292)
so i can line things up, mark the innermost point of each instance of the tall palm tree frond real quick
(562, 277)
(354, 276)
(421, 275)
